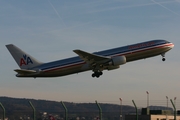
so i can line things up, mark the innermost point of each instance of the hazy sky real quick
(51, 29)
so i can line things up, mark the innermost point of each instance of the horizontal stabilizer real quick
(23, 71)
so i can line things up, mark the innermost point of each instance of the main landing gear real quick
(97, 74)
(163, 56)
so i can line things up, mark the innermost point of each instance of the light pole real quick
(120, 108)
(167, 101)
(175, 101)
(147, 99)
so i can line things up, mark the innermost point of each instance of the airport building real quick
(151, 117)
(147, 114)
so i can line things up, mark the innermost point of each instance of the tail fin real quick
(24, 60)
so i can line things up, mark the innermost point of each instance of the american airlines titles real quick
(141, 45)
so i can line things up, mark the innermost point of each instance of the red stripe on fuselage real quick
(126, 53)
(65, 66)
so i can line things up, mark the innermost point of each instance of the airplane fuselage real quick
(76, 64)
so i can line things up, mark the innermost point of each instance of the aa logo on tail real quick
(25, 60)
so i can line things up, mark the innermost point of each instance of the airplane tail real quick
(24, 60)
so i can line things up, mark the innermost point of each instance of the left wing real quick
(92, 58)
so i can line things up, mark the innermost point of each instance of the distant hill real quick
(16, 107)
(19, 106)
(12, 104)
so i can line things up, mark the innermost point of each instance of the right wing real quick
(92, 58)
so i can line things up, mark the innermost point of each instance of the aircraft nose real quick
(172, 45)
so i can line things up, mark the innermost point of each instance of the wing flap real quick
(23, 71)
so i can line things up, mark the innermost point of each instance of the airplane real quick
(97, 62)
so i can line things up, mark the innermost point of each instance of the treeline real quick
(16, 107)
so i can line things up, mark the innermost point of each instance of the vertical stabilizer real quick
(24, 60)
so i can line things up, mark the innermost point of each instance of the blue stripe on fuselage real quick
(128, 48)
(120, 50)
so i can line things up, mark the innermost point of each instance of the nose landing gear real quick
(163, 56)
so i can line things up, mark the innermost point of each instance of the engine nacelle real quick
(119, 60)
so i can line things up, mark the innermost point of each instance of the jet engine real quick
(118, 60)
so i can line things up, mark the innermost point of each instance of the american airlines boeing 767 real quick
(97, 62)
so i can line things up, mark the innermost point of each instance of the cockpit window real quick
(167, 42)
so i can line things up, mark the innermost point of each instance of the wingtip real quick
(76, 50)
(9, 45)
